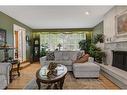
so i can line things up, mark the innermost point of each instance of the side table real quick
(17, 64)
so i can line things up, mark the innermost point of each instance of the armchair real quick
(4, 74)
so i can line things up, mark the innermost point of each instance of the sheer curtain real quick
(68, 40)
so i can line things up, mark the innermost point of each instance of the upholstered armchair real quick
(4, 75)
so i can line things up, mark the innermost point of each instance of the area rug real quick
(71, 83)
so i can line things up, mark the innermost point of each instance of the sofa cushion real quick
(58, 56)
(86, 67)
(69, 62)
(73, 56)
(65, 56)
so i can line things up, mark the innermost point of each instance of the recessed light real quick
(87, 13)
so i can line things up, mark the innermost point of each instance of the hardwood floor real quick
(29, 72)
(26, 75)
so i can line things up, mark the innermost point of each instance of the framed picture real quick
(2, 36)
(121, 24)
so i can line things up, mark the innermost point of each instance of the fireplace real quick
(120, 59)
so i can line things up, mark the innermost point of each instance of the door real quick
(19, 43)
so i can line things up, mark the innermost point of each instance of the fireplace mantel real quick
(118, 51)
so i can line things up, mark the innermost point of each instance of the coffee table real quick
(56, 81)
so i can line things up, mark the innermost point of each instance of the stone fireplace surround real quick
(116, 75)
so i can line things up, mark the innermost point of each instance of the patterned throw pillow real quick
(79, 55)
(83, 59)
(50, 56)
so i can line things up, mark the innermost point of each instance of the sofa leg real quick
(6, 88)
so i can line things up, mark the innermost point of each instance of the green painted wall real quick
(6, 23)
(98, 29)
(62, 30)
(88, 31)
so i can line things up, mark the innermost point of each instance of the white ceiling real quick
(47, 17)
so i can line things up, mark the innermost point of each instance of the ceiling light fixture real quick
(87, 13)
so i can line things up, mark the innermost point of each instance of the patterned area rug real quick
(71, 83)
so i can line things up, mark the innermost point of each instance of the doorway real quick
(19, 43)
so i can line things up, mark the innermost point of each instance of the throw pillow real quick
(79, 55)
(83, 59)
(50, 56)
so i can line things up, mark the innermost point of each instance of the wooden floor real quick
(29, 72)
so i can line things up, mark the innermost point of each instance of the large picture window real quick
(68, 40)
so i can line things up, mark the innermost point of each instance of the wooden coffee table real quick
(56, 81)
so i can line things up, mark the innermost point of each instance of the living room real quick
(88, 46)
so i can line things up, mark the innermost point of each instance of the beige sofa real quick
(80, 70)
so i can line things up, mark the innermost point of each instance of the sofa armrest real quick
(43, 60)
(5, 69)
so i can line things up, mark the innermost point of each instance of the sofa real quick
(80, 70)
(63, 57)
(4, 75)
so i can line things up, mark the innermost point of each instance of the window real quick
(68, 40)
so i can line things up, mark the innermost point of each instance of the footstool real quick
(86, 70)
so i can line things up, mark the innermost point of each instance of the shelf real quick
(116, 42)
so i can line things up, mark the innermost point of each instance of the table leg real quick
(49, 86)
(10, 75)
(18, 69)
(38, 83)
(56, 85)
(62, 82)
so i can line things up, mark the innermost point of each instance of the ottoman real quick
(86, 70)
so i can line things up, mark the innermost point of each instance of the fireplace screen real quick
(120, 59)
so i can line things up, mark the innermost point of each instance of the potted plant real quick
(91, 48)
(82, 44)
(43, 50)
(99, 38)
(96, 53)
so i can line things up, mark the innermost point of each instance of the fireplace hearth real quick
(120, 59)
